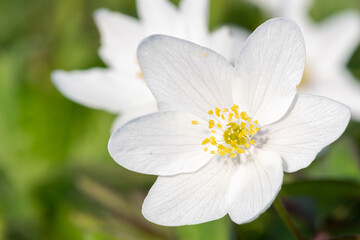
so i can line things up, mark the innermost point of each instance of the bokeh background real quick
(57, 180)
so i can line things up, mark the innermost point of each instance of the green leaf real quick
(322, 189)
(340, 162)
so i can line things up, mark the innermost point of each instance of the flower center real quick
(233, 132)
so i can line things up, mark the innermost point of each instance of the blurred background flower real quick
(121, 88)
(57, 180)
(329, 43)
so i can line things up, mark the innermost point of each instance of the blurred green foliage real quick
(57, 180)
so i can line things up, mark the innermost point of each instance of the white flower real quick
(330, 45)
(121, 89)
(224, 135)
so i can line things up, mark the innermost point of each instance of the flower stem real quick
(283, 213)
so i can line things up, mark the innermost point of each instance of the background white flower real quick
(120, 89)
(193, 84)
(330, 44)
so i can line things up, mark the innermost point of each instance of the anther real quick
(194, 122)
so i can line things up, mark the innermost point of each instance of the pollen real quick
(205, 141)
(195, 122)
(211, 124)
(235, 132)
(217, 112)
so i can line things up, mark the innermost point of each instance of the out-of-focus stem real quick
(283, 213)
(117, 206)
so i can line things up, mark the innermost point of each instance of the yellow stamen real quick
(237, 131)
(205, 141)
(212, 140)
(217, 112)
(211, 123)
(194, 122)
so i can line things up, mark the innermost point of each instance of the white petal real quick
(228, 41)
(185, 76)
(254, 186)
(102, 89)
(339, 85)
(339, 37)
(190, 198)
(120, 35)
(131, 114)
(298, 10)
(272, 6)
(347, 92)
(161, 143)
(159, 16)
(269, 67)
(195, 20)
(312, 123)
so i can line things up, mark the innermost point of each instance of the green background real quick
(57, 180)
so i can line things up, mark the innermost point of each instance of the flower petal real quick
(339, 37)
(272, 6)
(128, 115)
(190, 198)
(164, 143)
(195, 20)
(159, 16)
(228, 41)
(312, 123)
(185, 76)
(118, 43)
(298, 10)
(347, 91)
(102, 89)
(269, 67)
(254, 186)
